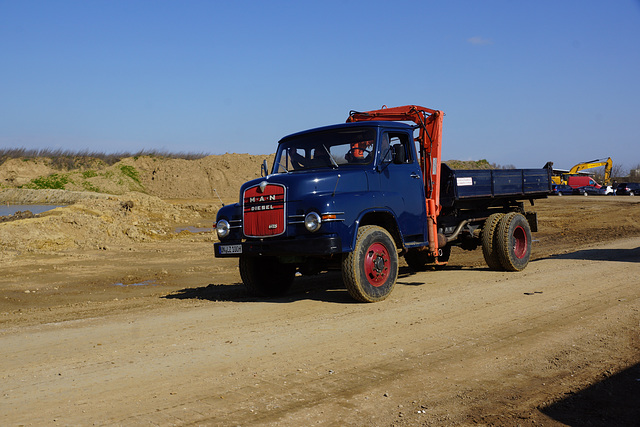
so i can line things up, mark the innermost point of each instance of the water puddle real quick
(193, 229)
(143, 283)
(6, 210)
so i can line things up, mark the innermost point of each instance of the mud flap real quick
(532, 219)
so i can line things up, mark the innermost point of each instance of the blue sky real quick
(520, 82)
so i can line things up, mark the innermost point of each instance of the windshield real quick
(326, 149)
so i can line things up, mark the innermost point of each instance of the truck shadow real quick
(406, 272)
(610, 402)
(622, 255)
(327, 287)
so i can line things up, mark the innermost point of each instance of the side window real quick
(395, 148)
(296, 159)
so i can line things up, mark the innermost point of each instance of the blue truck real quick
(355, 196)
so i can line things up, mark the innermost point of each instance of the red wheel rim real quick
(519, 242)
(376, 264)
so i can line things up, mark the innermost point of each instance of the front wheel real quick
(513, 241)
(266, 276)
(370, 271)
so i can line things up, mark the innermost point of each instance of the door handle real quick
(415, 175)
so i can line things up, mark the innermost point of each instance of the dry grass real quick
(476, 164)
(70, 160)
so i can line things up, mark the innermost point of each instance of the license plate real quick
(230, 249)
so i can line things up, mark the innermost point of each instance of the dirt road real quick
(160, 334)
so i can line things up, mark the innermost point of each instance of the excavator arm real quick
(429, 123)
(607, 171)
(608, 164)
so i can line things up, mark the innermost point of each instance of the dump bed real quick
(462, 187)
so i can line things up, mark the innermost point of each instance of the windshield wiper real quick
(333, 162)
(285, 169)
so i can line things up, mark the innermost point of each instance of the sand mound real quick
(17, 172)
(96, 223)
(198, 179)
(207, 178)
(95, 219)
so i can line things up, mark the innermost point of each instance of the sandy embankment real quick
(134, 211)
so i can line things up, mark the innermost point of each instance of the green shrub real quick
(89, 174)
(131, 172)
(55, 181)
(90, 187)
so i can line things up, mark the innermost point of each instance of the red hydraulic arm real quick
(430, 139)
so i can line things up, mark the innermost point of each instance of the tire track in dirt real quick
(461, 337)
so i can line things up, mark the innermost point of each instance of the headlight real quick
(312, 221)
(222, 228)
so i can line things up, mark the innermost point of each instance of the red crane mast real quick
(429, 123)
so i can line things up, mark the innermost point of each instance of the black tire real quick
(489, 249)
(417, 260)
(444, 253)
(266, 276)
(631, 193)
(513, 242)
(370, 271)
(559, 193)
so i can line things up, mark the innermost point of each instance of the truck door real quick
(401, 184)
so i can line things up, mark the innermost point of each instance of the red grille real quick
(264, 212)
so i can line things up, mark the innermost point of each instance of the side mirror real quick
(399, 155)
(264, 168)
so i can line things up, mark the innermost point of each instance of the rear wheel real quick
(266, 276)
(370, 271)
(444, 253)
(418, 260)
(513, 242)
(489, 249)
(631, 193)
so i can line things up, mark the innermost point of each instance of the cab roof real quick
(368, 124)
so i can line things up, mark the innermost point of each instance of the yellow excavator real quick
(607, 163)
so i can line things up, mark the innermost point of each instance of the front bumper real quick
(299, 246)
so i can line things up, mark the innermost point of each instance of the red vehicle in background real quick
(582, 181)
